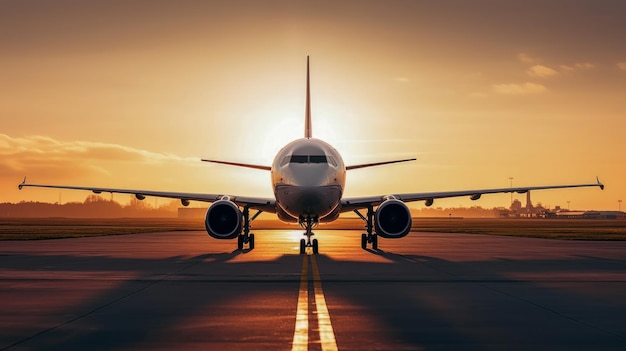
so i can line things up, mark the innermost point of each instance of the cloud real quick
(622, 66)
(577, 66)
(541, 71)
(519, 89)
(56, 159)
(524, 57)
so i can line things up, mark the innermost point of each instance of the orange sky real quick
(133, 94)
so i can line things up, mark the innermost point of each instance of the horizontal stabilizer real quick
(247, 165)
(378, 164)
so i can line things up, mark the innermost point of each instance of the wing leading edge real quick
(238, 164)
(353, 203)
(365, 165)
(264, 204)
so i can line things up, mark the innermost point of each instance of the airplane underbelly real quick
(308, 201)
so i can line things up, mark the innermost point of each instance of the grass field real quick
(564, 229)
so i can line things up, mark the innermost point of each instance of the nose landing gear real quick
(308, 224)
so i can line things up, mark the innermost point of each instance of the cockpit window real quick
(299, 159)
(332, 161)
(317, 159)
(308, 159)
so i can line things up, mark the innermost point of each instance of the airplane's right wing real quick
(355, 203)
(238, 164)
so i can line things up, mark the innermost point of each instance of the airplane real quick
(308, 179)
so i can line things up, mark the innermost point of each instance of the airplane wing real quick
(264, 204)
(365, 165)
(247, 165)
(354, 203)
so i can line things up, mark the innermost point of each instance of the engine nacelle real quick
(393, 219)
(223, 220)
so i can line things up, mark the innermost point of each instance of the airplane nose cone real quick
(311, 175)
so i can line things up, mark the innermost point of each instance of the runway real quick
(428, 291)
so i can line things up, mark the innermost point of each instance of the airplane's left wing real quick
(264, 204)
(355, 203)
(365, 165)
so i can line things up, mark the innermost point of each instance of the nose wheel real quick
(313, 245)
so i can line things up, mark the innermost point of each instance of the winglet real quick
(308, 133)
(599, 183)
(22, 184)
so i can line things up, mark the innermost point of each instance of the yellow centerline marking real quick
(325, 328)
(327, 336)
(301, 333)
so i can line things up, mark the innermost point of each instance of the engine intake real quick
(224, 220)
(393, 219)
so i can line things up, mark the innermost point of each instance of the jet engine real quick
(223, 220)
(392, 219)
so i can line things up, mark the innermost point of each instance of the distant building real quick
(516, 207)
(587, 214)
(517, 210)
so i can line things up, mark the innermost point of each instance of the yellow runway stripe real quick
(327, 336)
(301, 333)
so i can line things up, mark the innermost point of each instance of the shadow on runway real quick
(421, 302)
(156, 296)
(427, 303)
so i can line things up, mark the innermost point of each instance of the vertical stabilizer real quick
(307, 113)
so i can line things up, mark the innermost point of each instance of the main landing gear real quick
(308, 224)
(369, 237)
(247, 238)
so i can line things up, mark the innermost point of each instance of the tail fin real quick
(308, 133)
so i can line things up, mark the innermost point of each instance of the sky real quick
(133, 93)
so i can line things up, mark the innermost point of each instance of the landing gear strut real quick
(308, 224)
(247, 238)
(369, 237)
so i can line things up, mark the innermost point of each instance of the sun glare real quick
(280, 131)
(287, 125)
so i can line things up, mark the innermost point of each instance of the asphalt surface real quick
(428, 291)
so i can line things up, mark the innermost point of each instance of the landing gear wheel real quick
(247, 238)
(251, 241)
(364, 241)
(240, 242)
(374, 242)
(315, 247)
(302, 246)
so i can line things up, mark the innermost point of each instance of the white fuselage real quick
(308, 178)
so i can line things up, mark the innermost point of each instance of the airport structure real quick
(587, 215)
(538, 211)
